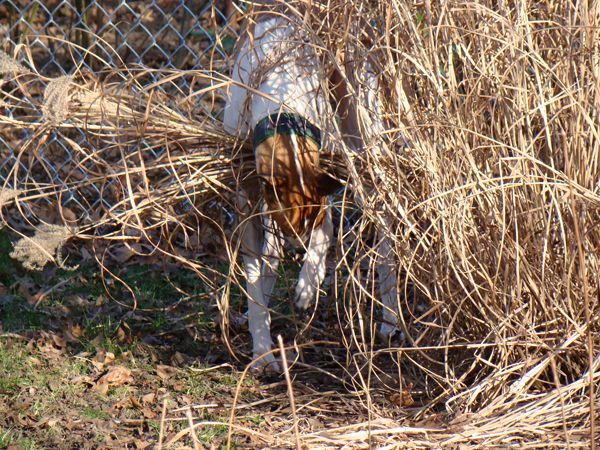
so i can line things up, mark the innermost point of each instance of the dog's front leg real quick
(313, 269)
(271, 254)
(259, 318)
(387, 273)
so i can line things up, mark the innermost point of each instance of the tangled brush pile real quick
(487, 173)
(496, 204)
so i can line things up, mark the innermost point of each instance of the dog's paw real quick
(270, 366)
(391, 335)
(239, 321)
(265, 364)
(304, 295)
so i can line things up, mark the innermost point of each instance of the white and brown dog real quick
(277, 96)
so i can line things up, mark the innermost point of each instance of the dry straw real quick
(484, 179)
(56, 100)
(43, 247)
(10, 65)
(7, 195)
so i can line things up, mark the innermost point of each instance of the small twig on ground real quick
(286, 372)
(210, 369)
(161, 433)
(13, 336)
(190, 419)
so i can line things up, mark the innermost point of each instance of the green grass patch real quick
(14, 373)
(95, 413)
(201, 385)
(8, 267)
(21, 369)
(11, 438)
(209, 434)
(40, 369)
(152, 288)
(17, 316)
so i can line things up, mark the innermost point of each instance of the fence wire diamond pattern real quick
(158, 34)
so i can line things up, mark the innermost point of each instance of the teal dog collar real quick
(288, 124)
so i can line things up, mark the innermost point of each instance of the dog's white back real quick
(282, 71)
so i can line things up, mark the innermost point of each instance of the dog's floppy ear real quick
(326, 184)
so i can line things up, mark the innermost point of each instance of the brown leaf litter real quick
(115, 377)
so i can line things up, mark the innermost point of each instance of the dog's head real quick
(295, 188)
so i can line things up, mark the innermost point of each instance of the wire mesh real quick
(157, 34)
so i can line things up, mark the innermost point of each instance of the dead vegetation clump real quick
(56, 100)
(10, 65)
(43, 247)
(487, 180)
(7, 195)
(495, 208)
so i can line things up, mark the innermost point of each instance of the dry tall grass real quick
(494, 206)
(499, 192)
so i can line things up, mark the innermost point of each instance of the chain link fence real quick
(59, 36)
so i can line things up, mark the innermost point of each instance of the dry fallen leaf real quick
(59, 341)
(83, 379)
(74, 332)
(165, 372)
(185, 400)
(34, 361)
(141, 445)
(50, 344)
(148, 398)
(68, 214)
(122, 404)
(100, 388)
(403, 398)
(148, 413)
(179, 386)
(180, 359)
(46, 422)
(109, 357)
(36, 298)
(124, 334)
(135, 402)
(103, 358)
(125, 252)
(116, 376)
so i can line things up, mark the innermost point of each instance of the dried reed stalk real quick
(492, 206)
